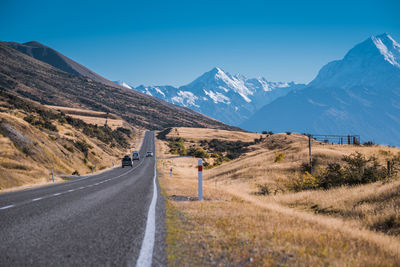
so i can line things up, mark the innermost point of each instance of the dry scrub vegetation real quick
(35, 140)
(92, 117)
(250, 217)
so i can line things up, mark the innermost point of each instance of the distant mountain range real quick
(359, 94)
(229, 98)
(40, 73)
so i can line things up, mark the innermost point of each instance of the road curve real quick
(98, 220)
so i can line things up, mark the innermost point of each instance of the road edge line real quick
(146, 251)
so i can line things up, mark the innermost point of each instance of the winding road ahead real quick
(115, 218)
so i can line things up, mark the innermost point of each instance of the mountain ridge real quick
(225, 97)
(359, 94)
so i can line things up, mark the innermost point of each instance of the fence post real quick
(309, 151)
(170, 172)
(200, 179)
(52, 175)
(388, 168)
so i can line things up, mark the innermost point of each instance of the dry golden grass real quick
(83, 112)
(238, 227)
(92, 117)
(49, 151)
(113, 124)
(197, 134)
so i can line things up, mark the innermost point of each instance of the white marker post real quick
(170, 172)
(200, 185)
(52, 175)
(94, 167)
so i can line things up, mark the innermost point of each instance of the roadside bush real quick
(198, 153)
(357, 169)
(76, 173)
(177, 146)
(304, 182)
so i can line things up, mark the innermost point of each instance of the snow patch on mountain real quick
(124, 84)
(185, 98)
(383, 49)
(217, 97)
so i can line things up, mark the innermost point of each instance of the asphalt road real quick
(97, 220)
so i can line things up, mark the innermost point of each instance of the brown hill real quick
(48, 85)
(52, 57)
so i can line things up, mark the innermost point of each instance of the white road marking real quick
(146, 251)
(83, 187)
(7, 207)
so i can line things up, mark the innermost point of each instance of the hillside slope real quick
(52, 57)
(48, 85)
(359, 94)
(35, 140)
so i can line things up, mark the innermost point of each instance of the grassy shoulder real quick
(235, 226)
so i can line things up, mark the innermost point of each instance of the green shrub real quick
(198, 153)
(177, 146)
(357, 169)
(304, 182)
(279, 157)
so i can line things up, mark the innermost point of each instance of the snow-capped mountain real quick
(124, 84)
(229, 98)
(359, 94)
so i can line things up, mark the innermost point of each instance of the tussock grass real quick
(343, 226)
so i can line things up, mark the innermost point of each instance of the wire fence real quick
(337, 139)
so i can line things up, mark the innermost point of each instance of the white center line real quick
(56, 194)
(36, 199)
(71, 190)
(6, 207)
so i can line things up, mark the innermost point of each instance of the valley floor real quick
(236, 225)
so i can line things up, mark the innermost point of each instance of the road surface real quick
(98, 220)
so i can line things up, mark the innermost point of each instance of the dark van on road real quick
(127, 161)
(135, 155)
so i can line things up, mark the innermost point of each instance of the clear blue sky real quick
(173, 42)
